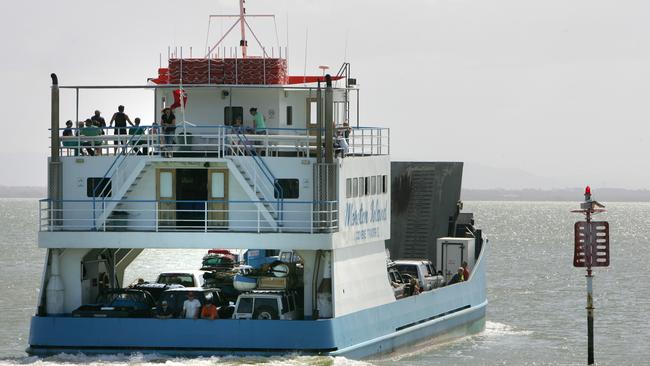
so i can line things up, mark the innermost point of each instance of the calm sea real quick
(536, 314)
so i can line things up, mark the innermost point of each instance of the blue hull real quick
(442, 313)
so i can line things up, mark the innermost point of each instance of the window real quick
(384, 184)
(285, 305)
(231, 114)
(245, 305)
(362, 190)
(266, 304)
(289, 115)
(373, 185)
(348, 188)
(367, 182)
(355, 187)
(98, 187)
(288, 188)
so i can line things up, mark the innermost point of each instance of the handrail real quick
(265, 170)
(124, 153)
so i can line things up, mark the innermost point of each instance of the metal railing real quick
(202, 140)
(185, 215)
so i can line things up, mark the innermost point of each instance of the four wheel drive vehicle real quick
(397, 282)
(422, 270)
(176, 296)
(267, 305)
(119, 303)
(190, 278)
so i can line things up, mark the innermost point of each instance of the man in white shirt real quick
(191, 307)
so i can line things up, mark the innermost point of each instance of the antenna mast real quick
(242, 13)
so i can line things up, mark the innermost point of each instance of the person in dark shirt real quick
(120, 118)
(67, 132)
(99, 121)
(168, 124)
(164, 311)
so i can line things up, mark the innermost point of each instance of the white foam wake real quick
(500, 329)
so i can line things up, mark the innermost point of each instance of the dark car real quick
(155, 289)
(175, 298)
(119, 303)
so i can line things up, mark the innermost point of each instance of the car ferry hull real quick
(437, 315)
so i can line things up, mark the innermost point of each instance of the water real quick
(536, 313)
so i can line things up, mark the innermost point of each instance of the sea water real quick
(536, 312)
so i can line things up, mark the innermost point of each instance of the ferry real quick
(244, 158)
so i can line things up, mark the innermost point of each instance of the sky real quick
(529, 93)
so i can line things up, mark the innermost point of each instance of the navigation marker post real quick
(591, 249)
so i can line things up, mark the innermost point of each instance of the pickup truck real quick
(422, 270)
(185, 278)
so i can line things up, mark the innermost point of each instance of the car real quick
(155, 289)
(186, 278)
(176, 296)
(118, 303)
(267, 305)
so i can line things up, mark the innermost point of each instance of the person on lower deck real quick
(168, 124)
(465, 271)
(258, 121)
(209, 311)
(458, 277)
(191, 307)
(164, 311)
(120, 118)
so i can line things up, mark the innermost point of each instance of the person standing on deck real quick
(258, 120)
(168, 124)
(191, 307)
(120, 118)
(99, 121)
(465, 271)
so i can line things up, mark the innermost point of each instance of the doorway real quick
(191, 194)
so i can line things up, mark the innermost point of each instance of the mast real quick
(242, 25)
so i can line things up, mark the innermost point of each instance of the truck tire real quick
(265, 313)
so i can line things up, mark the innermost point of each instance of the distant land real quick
(566, 194)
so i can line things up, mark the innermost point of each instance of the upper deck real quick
(217, 172)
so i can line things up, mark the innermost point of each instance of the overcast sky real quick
(534, 93)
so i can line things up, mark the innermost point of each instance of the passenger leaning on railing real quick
(137, 137)
(99, 121)
(168, 123)
(120, 118)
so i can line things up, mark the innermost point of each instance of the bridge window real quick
(367, 186)
(98, 187)
(384, 184)
(355, 187)
(231, 114)
(373, 185)
(288, 188)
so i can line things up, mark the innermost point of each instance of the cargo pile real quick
(228, 71)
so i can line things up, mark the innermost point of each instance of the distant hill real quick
(567, 194)
(22, 192)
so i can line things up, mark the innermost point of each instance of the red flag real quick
(177, 98)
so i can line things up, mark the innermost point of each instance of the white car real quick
(422, 270)
(266, 305)
(185, 278)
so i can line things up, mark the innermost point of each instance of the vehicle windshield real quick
(183, 279)
(408, 269)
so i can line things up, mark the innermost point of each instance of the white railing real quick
(201, 216)
(196, 141)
